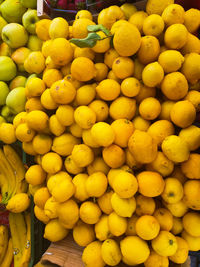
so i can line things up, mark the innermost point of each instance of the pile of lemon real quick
(111, 129)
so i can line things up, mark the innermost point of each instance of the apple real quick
(16, 100)
(34, 43)
(19, 56)
(29, 3)
(14, 35)
(12, 10)
(3, 23)
(18, 81)
(29, 20)
(8, 69)
(5, 50)
(4, 90)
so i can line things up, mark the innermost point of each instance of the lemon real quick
(165, 218)
(175, 36)
(96, 184)
(79, 27)
(41, 196)
(57, 179)
(98, 165)
(191, 222)
(79, 181)
(181, 254)
(101, 228)
(147, 227)
(52, 162)
(157, 6)
(190, 67)
(78, 67)
(131, 225)
(140, 123)
(153, 25)
(42, 143)
(63, 191)
(123, 67)
(85, 94)
(108, 89)
(37, 120)
(177, 227)
(171, 60)
(18, 203)
(35, 175)
(84, 116)
(58, 28)
(191, 135)
(149, 108)
(100, 108)
(102, 45)
(55, 126)
(90, 212)
(110, 56)
(64, 144)
(137, 19)
(7, 133)
(68, 213)
(173, 191)
(54, 231)
(145, 205)
(71, 166)
(149, 49)
(139, 254)
(173, 14)
(191, 19)
(104, 202)
(82, 155)
(83, 234)
(92, 255)
(117, 224)
(123, 207)
(155, 260)
(76, 130)
(111, 253)
(103, 134)
(129, 9)
(40, 215)
(50, 208)
(152, 74)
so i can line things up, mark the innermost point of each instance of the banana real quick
(7, 171)
(18, 234)
(16, 164)
(3, 241)
(8, 256)
(4, 187)
(22, 187)
(27, 252)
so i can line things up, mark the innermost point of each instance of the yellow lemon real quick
(63, 191)
(71, 166)
(155, 260)
(75, 130)
(141, 124)
(181, 254)
(173, 14)
(157, 7)
(177, 227)
(58, 28)
(173, 191)
(34, 103)
(42, 143)
(24, 133)
(35, 87)
(85, 94)
(149, 49)
(85, 117)
(176, 36)
(166, 107)
(190, 67)
(147, 227)
(42, 29)
(130, 87)
(104, 202)
(50, 76)
(41, 196)
(123, 207)
(145, 205)
(193, 242)
(35, 175)
(149, 108)
(191, 222)
(79, 181)
(78, 67)
(171, 60)
(90, 212)
(100, 108)
(153, 25)
(131, 225)
(79, 27)
(194, 97)
(40, 215)
(139, 254)
(51, 162)
(165, 218)
(101, 71)
(103, 134)
(191, 19)
(18, 203)
(96, 184)
(35, 62)
(191, 45)
(101, 228)
(110, 56)
(111, 253)
(102, 45)
(82, 155)
(177, 209)
(50, 208)
(114, 156)
(117, 224)
(28, 148)
(152, 74)
(83, 234)
(92, 255)
(64, 144)
(54, 231)
(7, 133)
(55, 126)
(108, 89)
(37, 120)
(84, 14)
(110, 15)
(137, 19)
(123, 67)
(190, 168)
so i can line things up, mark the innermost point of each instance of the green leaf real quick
(99, 27)
(89, 41)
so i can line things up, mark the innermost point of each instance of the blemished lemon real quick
(153, 25)
(123, 67)
(85, 117)
(144, 205)
(111, 253)
(83, 234)
(92, 255)
(35, 175)
(101, 228)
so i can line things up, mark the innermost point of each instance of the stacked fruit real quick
(110, 121)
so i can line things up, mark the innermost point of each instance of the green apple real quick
(12, 10)
(29, 3)
(2, 119)
(5, 111)
(34, 43)
(5, 50)
(29, 20)
(4, 90)
(8, 69)
(18, 81)
(3, 23)
(16, 100)
(14, 35)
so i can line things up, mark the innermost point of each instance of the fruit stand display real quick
(99, 130)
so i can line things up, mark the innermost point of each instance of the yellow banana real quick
(7, 171)
(3, 241)
(8, 256)
(16, 164)
(22, 187)
(17, 237)
(27, 251)
(4, 187)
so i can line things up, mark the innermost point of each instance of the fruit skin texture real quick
(8, 69)
(151, 184)
(165, 244)
(111, 253)
(175, 148)
(137, 255)
(142, 146)
(127, 40)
